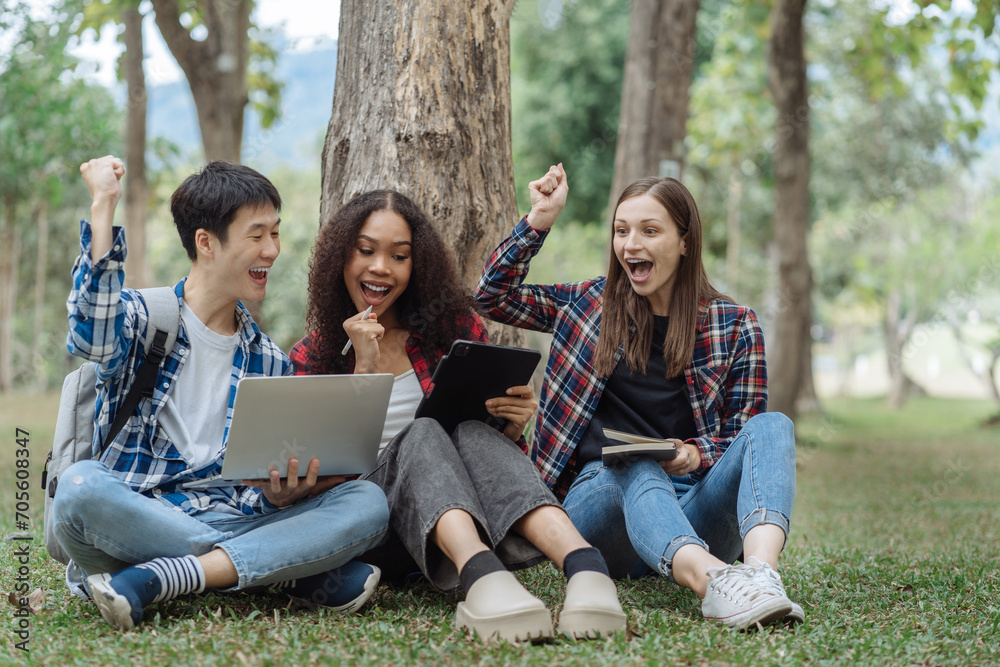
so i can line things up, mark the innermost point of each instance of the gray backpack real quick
(74, 433)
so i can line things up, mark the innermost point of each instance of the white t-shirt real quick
(403, 402)
(194, 416)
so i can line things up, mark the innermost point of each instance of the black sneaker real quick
(120, 606)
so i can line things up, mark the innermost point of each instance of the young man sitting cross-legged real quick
(126, 519)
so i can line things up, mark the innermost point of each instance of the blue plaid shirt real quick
(108, 325)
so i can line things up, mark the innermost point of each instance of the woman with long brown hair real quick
(653, 349)
(465, 506)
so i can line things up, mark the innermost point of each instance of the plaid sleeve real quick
(475, 330)
(299, 356)
(100, 319)
(502, 294)
(744, 386)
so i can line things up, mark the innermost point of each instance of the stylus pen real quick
(368, 311)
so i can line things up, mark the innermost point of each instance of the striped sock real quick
(178, 576)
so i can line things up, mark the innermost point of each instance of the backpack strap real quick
(164, 313)
(163, 322)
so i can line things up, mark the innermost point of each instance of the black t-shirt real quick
(651, 404)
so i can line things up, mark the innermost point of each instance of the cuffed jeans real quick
(425, 472)
(105, 526)
(638, 516)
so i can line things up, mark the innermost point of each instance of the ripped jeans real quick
(638, 516)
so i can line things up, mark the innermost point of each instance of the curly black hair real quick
(433, 305)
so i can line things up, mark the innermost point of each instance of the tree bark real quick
(659, 66)
(422, 105)
(216, 69)
(137, 272)
(787, 79)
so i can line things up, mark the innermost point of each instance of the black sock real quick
(483, 563)
(588, 558)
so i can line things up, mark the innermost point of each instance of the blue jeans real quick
(638, 516)
(105, 526)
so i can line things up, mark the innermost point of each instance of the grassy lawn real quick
(893, 556)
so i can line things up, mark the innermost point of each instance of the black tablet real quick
(469, 375)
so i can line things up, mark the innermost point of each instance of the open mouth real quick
(374, 294)
(639, 269)
(259, 275)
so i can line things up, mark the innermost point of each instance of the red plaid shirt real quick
(726, 378)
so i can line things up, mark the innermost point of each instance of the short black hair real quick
(210, 199)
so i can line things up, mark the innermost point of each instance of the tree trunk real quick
(994, 376)
(807, 401)
(137, 272)
(787, 79)
(990, 377)
(41, 340)
(422, 105)
(897, 329)
(659, 65)
(10, 252)
(216, 69)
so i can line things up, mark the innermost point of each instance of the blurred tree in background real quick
(50, 122)
(566, 67)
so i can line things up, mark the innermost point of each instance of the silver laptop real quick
(337, 419)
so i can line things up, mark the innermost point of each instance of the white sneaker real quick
(765, 575)
(736, 599)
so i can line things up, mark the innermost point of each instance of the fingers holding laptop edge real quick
(282, 492)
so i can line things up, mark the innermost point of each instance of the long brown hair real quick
(627, 318)
(433, 305)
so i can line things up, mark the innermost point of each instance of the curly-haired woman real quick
(465, 506)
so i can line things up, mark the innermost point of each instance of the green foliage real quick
(566, 73)
(573, 251)
(264, 90)
(888, 147)
(48, 118)
(50, 122)
(886, 51)
(729, 138)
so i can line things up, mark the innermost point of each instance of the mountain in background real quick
(295, 138)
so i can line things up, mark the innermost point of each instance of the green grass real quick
(892, 555)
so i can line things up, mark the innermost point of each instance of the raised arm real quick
(97, 312)
(103, 177)
(501, 292)
(548, 198)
